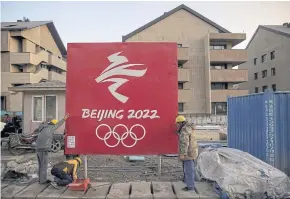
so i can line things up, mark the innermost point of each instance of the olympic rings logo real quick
(120, 139)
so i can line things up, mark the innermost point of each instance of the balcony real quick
(57, 62)
(29, 58)
(221, 95)
(234, 38)
(235, 57)
(183, 75)
(184, 95)
(52, 76)
(232, 75)
(182, 54)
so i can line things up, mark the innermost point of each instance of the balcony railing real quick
(233, 56)
(55, 61)
(184, 95)
(183, 75)
(182, 54)
(221, 95)
(234, 38)
(231, 75)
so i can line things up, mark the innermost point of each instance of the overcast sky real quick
(108, 21)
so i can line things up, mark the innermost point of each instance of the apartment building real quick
(30, 52)
(268, 59)
(205, 58)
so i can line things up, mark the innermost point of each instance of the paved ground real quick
(102, 190)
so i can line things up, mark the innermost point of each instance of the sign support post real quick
(86, 166)
(159, 165)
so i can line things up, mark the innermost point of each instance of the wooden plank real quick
(68, 194)
(177, 186)
(205, 190)
(99, 190)
(31, 191)
(3, 185)
(119, 191)
(163, 190)
(51, 192)
(141, 190)
(9, 191)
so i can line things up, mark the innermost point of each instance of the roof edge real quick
(166, 14)
(268, 29)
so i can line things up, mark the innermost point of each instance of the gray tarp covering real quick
(238, 173)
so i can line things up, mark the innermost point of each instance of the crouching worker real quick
(187, 150)
(65, 172)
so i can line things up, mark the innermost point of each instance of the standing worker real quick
(187, 150)
(65, 172)
(43, 146)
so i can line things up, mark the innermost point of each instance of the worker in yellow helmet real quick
(43, 146)
(187, 150)
(66, 171)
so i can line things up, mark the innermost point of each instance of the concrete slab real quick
(51, 192)
(177, 186)
(141, 190)
(206, 191)
(99, 190)
(68, 194)
(163, 190)
(31, 191)
(9, 191)
(3, 185)
(119, 191)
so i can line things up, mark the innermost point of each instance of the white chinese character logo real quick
(116, 69)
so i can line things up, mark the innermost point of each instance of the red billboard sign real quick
(122, 98)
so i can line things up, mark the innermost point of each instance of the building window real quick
(3, 103)
(264, 58)
(272, 55)
(273, 71)
(219, 66)
(180, 65)
(180, 107)
(219, 108)
(256, 89)
(217, 47)
(265, 88)
(219, 86)
(44, 108)
(274, 87)
(264, 73)
(180, 85)
(255, 61)
(179, 45)
(256, 76)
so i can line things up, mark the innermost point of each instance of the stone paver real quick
(31, 191)
(163, 190)
(68, 194)
(99, 190)
(119, 191)
(50, 192)
(9, 191)
(206, 191)
(141, 190)
(177, 186)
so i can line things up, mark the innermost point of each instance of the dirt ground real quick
(119, 169)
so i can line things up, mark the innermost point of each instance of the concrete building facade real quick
(268, 59)
(30, 52)
(205, 58)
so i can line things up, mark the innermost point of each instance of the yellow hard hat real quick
(79, 160)
(54, 121)
(179, 119)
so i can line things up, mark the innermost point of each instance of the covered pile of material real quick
(241, 175)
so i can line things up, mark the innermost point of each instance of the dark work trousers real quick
(42, 157)
(64, 178)
(183, 179)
